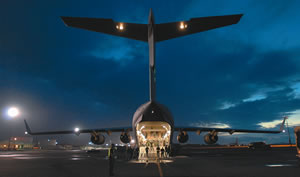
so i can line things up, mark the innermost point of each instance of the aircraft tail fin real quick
(27, 128)
(283, 122)
(165, 31)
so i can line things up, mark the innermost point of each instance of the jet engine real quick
(210, 138)
(125, 138)
(97, 139)
(182, 137)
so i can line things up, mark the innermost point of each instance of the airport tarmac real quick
(207, 163)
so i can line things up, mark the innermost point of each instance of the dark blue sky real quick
(241, 76)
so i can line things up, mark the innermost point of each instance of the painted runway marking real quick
(75, 158)
(13, 155)
(27, 158)
(279, 165)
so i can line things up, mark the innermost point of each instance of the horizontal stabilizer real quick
(108, 26)
(165, 31)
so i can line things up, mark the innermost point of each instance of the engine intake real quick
(97, 139)
(210, 139)
(125, 137)
(182, 137)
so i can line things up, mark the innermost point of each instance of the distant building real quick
(17, 143)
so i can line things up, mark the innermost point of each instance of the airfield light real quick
(13, 112)
(26, 133)
(76, 129)
(15, 139)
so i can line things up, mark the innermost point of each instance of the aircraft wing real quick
(231, 131)
(108, 26)
(165, 31)
(228, 130)
(104, 130)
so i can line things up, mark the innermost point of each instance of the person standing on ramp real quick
(111, 158)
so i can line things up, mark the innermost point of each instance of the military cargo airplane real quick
(152, 122)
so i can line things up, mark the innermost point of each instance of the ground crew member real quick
(157, 151)
(111, 158)
(147, 151)
(162, 154)
(297, 136)
(167, 149)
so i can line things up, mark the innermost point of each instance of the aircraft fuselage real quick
(153, 125)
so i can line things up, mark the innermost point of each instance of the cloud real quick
(296, 90)
(118, 49)
(293, 120)
(255, 97)
(270, 124)
(227, 105)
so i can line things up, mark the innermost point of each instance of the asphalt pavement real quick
(281, 162)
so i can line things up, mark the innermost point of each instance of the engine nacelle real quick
(182, 137)
(210, 139)
(97, 139)
(125, 137)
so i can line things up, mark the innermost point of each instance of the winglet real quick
(282, 125)
(28, 131)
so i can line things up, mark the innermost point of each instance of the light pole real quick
(12, 112)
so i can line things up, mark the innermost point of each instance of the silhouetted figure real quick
(147, 151)
(167, 151)
(126, 153)
(138, 152)
(131, 153)
(111, 160)
(162, 152)
(157, 151)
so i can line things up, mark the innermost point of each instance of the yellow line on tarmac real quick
(159, 168)
(283, 145)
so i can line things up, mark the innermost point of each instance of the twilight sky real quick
(240, 76)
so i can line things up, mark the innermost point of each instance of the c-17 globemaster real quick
(152, 122)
